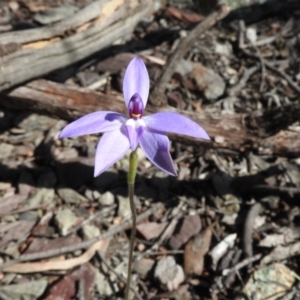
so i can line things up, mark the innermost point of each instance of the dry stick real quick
(35, 62)
(242, 264)
(294, 85)
(83, 245)
(157, 95)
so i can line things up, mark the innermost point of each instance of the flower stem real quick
(133, 162)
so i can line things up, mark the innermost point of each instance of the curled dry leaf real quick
(186, 229)
(221, 248)
(195, 251)
(32, 267)
(169, 274)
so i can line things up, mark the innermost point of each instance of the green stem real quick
(133, 162)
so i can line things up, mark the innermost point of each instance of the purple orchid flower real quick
(122, 133)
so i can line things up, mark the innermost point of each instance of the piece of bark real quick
(116, 20)
(261, 130)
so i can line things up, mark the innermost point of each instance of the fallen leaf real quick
(151, 230)
(195, 250)
(10, 203)
(19, 231)
(44, 244)
(187, 228)
(191, 18)
(67, 264)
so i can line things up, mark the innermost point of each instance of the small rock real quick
(223, 49)
(89, 194)
(64, 220)
(40, 197)
(70, 196)
(208, 81)
(30, 290)
(5, 150)
(141, 154)
(169, 274)
(251, 34)
(90, 231)
(143, 266)
(55, 14)
(96, 195)
(107, 199)
(124, 210)
(31, 122)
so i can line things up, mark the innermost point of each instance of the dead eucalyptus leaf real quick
(187, 228)
(195, 250)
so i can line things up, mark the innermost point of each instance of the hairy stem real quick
(133, 161)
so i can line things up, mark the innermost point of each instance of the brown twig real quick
(157, 96)
(270, 66)
(83, 245)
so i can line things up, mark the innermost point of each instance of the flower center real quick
(136, 107)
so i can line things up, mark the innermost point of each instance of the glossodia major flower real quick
(122, 133)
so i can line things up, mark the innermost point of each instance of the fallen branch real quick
(262, 130)
(115, 20)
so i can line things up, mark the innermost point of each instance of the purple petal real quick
(132, 136)
(111, 147)
(156, 147)
(135, 129)
(174, 123)
(100, 121)
(136, 80)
